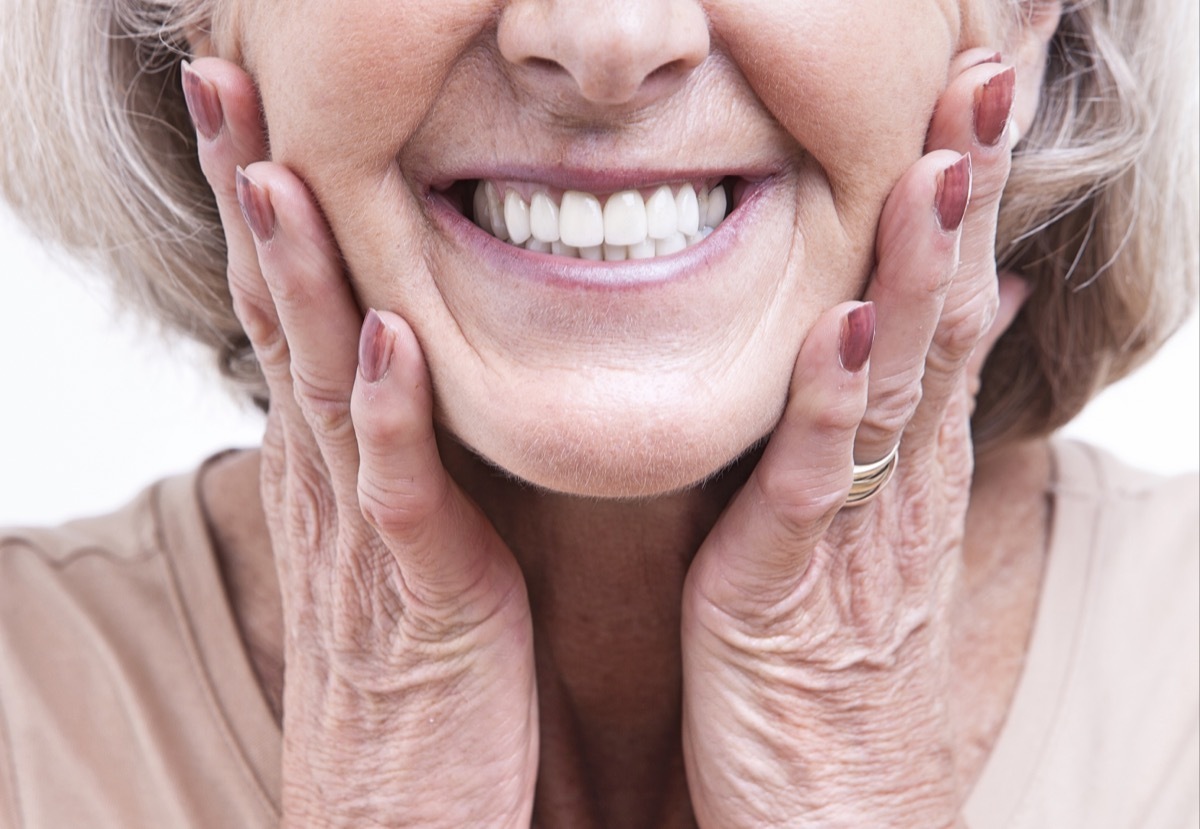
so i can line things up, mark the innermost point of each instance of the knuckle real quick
(398, 509)
(271, 348)
(961, 330)
(377, 425)
(989, 178)
(257, 321)
(892, 405)
(299, 285)
(841, 416)
(326, 410)
(801, 500)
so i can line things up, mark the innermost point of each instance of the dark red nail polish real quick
(374, 348)
(953, 193)
(858, 335)
(256, 207)
(993, 105)
(203, 103)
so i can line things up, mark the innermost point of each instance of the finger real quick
(446, 550)
(760, 549)
(315, 307)
(1013, 292)
(224, 107)
(917, 251)
(973, 57)
(973, 116)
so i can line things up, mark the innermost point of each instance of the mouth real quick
(635, 223)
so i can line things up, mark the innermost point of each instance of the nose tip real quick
(615, 53)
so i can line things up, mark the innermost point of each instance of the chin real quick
(621, 452)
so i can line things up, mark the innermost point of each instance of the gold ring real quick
(869, 478)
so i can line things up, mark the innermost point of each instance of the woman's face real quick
(615, 378)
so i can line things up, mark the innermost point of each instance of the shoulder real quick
(82, 594)
(68, 556)
(1127, 585)
(1126, 516)
(72, 587)
(107, 626)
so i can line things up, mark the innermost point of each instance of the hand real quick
(409, 689)
(816, 638)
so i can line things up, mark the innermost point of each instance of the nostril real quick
(667, 70)
(630, 52)
(544, 64)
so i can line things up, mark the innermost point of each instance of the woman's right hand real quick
(410, 695)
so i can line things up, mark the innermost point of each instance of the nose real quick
(618, 52)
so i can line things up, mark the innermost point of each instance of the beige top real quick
(127, 700)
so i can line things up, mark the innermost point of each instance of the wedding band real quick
(869, 478)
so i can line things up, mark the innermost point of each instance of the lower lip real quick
(565, 272)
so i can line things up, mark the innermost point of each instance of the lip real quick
(564, 272)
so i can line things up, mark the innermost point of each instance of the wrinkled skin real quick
(807, 648)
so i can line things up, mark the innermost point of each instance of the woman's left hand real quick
(816, 638)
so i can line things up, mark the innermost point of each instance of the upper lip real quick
(606, 180)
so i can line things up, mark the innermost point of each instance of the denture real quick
(629, 224)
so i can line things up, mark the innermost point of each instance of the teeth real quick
(624, 218)
(615, 253)
(687, 210)
(716, 207)
(661, 217)
(482, 214)
(625, 227)
(672, 244)
(580, 219)
(642, 250)
(543, 218)
(496, 213)
(516, 217)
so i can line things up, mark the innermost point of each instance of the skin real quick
(463, 649)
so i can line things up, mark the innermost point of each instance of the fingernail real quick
(993, 104)
(203, 103)
(953, 193)
(858, 335)
(256, 206)
(374, 348)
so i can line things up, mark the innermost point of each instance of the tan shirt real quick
(127, 700)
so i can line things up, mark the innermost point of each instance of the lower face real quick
(426, 146)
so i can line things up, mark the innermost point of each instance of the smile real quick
(630, 224)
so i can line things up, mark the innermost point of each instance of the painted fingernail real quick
(203, 103)
(993, 104)
(374, 348)
(858, 335)
(256, 206)
(953, 193)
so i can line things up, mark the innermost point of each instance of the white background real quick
(93, 406)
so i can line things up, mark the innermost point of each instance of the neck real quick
(605, 581)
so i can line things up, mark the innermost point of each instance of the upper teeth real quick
(628, 225)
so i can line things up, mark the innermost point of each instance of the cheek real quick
(854, 83)
(370, 69)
